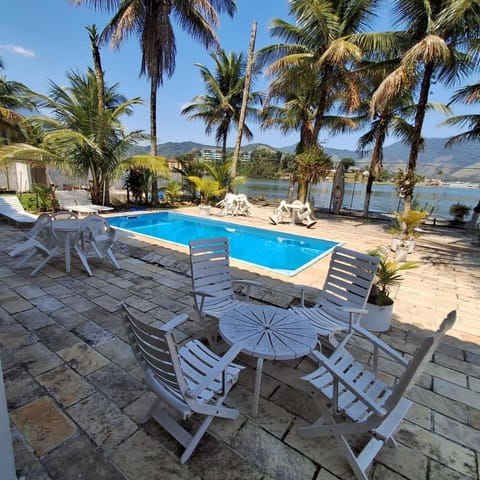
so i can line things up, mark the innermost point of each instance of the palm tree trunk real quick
(104, 185)
(94, 39)
(246, 94)
(417, 129)
(153, 134)
(377, 161)
(224, 147)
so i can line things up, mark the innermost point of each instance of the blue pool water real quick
(285, 253)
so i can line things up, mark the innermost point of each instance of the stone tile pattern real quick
(79, 408)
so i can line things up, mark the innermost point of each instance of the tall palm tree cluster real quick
(329, 73)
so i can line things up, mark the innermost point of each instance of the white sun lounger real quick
(78, 201)
(13, 211)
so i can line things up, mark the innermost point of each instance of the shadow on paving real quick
(79, 407)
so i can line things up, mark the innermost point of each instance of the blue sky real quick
(41, 41)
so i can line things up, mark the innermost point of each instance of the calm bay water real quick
(384, 198)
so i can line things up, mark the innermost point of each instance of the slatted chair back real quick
(418, 363)
(210, 267)
(355, 400)
(156, 352)
(191, 379)
(349, 281)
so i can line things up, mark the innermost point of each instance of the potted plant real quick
(408, 222)
(207, 188)
(459, 211)
(380, 303)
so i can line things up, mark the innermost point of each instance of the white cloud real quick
(18, 50)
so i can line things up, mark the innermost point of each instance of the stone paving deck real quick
(79, 409)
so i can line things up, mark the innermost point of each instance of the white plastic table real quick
(66, 231)
(268, 333)
(294, 209)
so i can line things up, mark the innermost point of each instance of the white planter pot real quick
(204, 209)
(401, 254)
(378, 318)
(397, 242)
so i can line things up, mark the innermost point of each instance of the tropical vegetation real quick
(152, 22)
(386, 277)
(328, 71)
(220, 107)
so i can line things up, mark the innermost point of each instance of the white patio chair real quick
(41, 239)
(64, 215)
(305, 214)
(243, 205)
(355, 400)
(228, 204)
(189, 380)
(344, 295)
(212, 282)
(281, 214)
(96, 236)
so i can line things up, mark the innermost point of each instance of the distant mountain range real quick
(460, 162)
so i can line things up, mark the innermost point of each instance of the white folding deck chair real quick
(344, 294)
(355, 400)
(40, 239)
(212, 282)
(189, 380)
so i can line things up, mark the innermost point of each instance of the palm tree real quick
(220, 107)
(151, 20)
(221, 172)
(469, 95)
(13, 96)
(80, 140)
(311, 167)
(436, 39)
(207, 187)
(316, 59)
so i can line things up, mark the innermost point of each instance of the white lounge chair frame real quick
(344, 294)
(189, 380)
(212, 282)
(78, 201)
(12, 209)
(349, 390)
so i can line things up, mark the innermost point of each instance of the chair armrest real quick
(250, 283)
(359, 311)
(215, 372)
(174, 322)
(347, 383)
(381, 345)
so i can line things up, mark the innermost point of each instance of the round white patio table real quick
(267, 333)
(66, 231)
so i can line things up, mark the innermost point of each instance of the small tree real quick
(207, 188)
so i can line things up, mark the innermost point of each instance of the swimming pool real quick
(284, 253)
